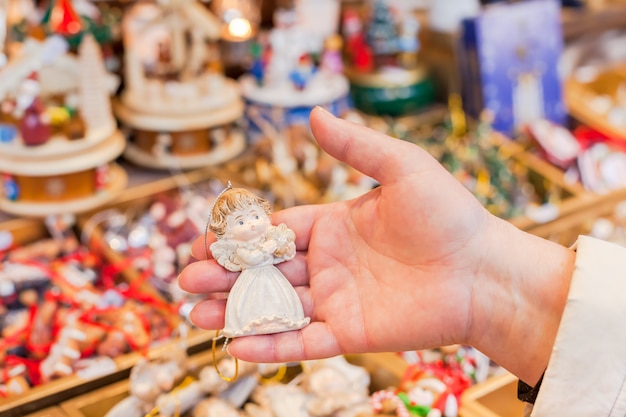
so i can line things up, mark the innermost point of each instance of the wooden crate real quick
(99, 402)
(48, 412)
(545, 176)
(136, 201)
(62, 389)
(542, 175)
(579, 97)
(496, 397)
(579, 217)
(385, 370)
(25, 231)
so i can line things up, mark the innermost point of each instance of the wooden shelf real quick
(582, 22)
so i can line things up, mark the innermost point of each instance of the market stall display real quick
(151, 234)
(68, 317)
(494, 398)
(335, 386)
(510, 182)
(95, 324)
(595, 97)
(291, 167)
(19, 238)
(364, 385)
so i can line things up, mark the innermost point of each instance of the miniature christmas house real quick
(179, 108)
(58, 137)
(70, 19)
(381, 47)
(296, 66)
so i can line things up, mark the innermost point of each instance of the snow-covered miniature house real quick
(58, 136)
(297, 66)
(180, 110)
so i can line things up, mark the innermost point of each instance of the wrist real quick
(520, 293)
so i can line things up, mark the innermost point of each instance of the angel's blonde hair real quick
(230, 201)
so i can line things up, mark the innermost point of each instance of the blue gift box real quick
(509, 63)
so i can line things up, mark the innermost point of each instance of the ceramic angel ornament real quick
(262, 301)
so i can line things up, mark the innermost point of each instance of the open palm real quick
(410, 245)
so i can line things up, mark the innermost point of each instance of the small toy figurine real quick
(262, 301)
(257, 67)
(332, 60)
(303, 72)
(34, 123)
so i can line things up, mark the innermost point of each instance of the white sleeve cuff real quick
(586, 374)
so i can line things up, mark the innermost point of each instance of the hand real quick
(414, 263)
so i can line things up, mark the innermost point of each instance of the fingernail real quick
(324, 110)
(191, 253)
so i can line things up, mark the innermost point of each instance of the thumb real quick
(372, 153)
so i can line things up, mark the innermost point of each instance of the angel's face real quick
(247, 224)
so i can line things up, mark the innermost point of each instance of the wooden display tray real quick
(118, 182)
(496, 397)
(542, 175)
(54, 392)
(48, 412)
(579, 219)
(385, 370)
(24, 231)
(579, 94)
(138, 199)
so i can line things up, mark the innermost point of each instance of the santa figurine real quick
(30, 110)
(359, 52)
(303, 72)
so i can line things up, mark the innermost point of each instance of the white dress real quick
(262, 300)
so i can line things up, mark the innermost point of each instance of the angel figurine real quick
(262, 300)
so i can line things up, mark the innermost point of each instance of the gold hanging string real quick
(213, 348)
(153, 413)
(277, 377)
(156, 410)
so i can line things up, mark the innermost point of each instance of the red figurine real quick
(34, 127)
(360, 53)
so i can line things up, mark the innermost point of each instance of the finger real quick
(304, 293)
(295, 270)
(375, 154)
(315, 341)
(210, 277)
(200, 246)
(301, 219)
(206, 277)
(209, 314)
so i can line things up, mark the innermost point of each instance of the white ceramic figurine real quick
(262, 301)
